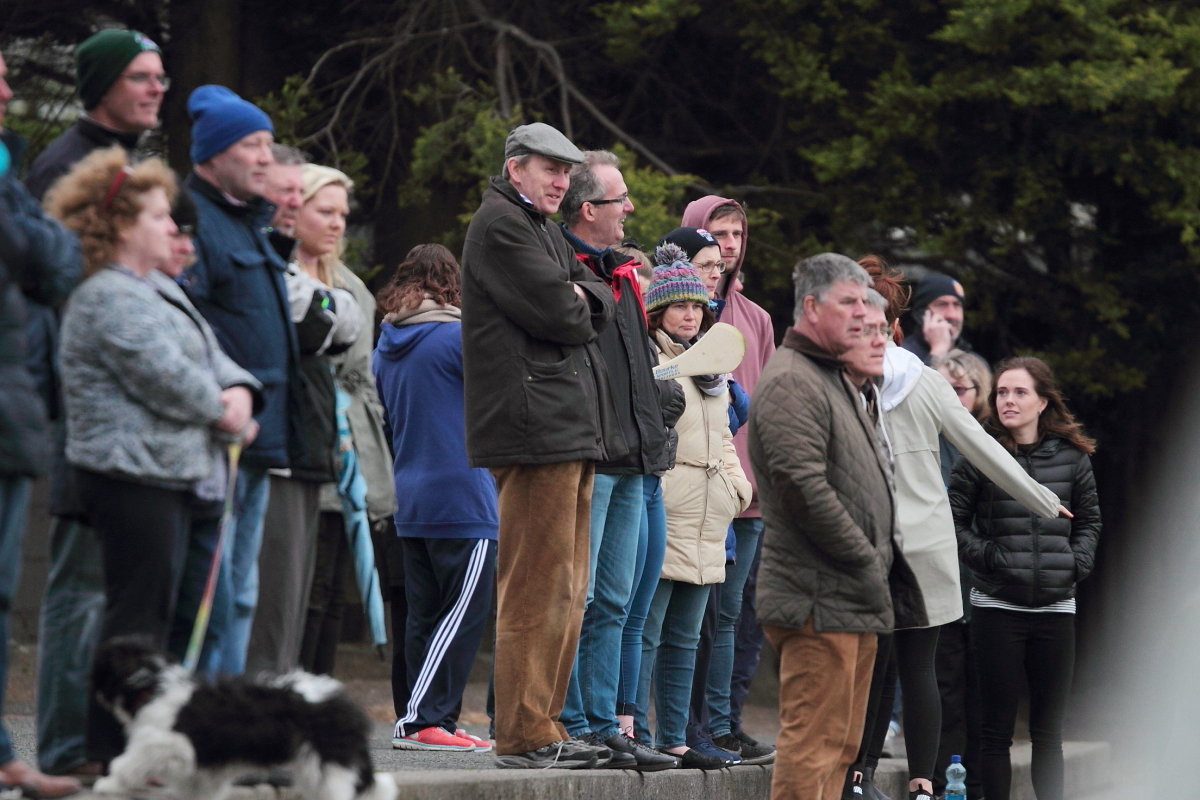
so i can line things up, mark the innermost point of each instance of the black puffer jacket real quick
(1015, 555)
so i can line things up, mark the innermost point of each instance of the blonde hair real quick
(101, 196)
(315, 178)
(962, 365)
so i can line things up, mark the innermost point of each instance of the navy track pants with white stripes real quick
(448, 585)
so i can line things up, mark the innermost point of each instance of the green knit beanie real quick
(100, 60)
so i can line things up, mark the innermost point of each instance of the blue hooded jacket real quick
(419, 374)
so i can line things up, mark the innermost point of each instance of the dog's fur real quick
(197, 738)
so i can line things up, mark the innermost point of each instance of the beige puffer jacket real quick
(707, 487)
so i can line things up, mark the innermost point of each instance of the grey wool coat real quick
(827, 503)
(142, 379)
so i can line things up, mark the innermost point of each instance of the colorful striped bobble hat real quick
(675, 279)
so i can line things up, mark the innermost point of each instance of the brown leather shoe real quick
(36, 784)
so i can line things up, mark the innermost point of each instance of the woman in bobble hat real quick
(702, 494)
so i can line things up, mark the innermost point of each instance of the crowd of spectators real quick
(873, 504)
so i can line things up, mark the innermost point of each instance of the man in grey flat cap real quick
(539, 414)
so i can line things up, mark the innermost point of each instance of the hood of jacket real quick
(699, 213)
(901, 373)
(399, 338)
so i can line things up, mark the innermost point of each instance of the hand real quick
(239, 404)
(938, 333)
(1062, 512)
(250, 432)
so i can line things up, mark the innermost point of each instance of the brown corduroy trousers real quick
(541, 589)
(824, 679)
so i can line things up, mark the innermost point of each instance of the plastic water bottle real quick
(956, 779)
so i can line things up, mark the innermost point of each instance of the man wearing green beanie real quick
(121, 82)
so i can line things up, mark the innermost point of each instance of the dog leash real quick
(192, 659)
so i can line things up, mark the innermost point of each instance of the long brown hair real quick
(429, 270)
(1055, 420)
(889, 282)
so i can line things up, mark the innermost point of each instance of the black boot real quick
(870, 790)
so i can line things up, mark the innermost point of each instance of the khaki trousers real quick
(824, 679)
(541, 589)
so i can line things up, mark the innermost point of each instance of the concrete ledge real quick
(740, 783)
(1088, 770)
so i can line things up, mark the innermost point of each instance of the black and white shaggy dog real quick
(197, 738)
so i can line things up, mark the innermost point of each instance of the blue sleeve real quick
(40, 254)
(739, 406)
(730, 545)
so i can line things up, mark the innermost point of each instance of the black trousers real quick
(448, 584)
(1040, 647)
(915, 649)
(908, 653)
(326, 598)
(958, 683)
(143, 533)
(880, 700)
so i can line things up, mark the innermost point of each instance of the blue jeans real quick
(720, 668)
(14, 502)
(68, 630)
(652, 546)
(669, 654)
(237, 586)
(202, 542)
(591, 702)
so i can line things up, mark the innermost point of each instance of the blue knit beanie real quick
(220, 118)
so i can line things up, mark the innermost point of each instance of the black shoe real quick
(920, 794)
(751, 753)
(746, 738)
(869, 790)
(645, 757)
(693, 759)
(565, 754)
(607, 757)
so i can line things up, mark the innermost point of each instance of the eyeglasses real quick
(143, 78)
(871, 331)
(620, 200)
(961, 390)
(708, 269)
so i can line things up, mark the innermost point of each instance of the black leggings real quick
(143, 533)
(915, 650)
(910, 653)
(1009, 646)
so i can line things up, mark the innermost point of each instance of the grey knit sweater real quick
(142, 379)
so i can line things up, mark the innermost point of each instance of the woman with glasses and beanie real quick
(919, 406)
(702, 494)
(1026, 570)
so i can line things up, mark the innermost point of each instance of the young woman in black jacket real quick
(1026, 568)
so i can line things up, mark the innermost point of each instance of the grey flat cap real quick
(543, 140)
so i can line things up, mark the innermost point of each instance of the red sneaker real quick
(433, 738)
(482, 745)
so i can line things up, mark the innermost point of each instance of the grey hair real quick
(288, 156)
(521, 159)
(585, 184)
(876, 300)
(816, 275)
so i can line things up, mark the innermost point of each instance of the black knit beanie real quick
(933, 285)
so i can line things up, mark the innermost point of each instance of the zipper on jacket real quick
(1034, 543)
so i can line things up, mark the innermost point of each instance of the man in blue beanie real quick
(937, 309)
(237, 283)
